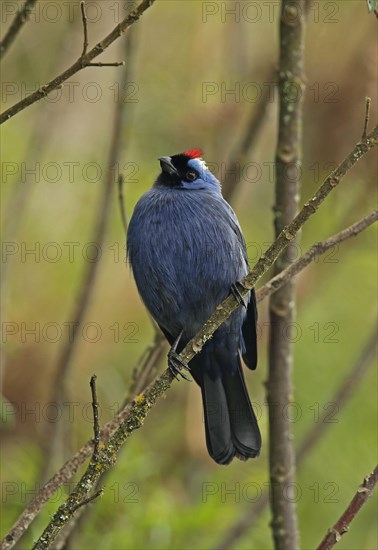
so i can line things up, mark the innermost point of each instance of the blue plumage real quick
(186, 250)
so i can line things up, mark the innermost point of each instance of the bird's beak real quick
(167, 166)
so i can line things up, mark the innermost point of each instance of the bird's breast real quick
(184, 255)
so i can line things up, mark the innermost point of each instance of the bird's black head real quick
(186, 171)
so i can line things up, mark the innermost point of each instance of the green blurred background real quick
(165, 492)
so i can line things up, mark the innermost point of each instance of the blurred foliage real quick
(165, 492)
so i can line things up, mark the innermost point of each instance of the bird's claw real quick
(237, 295)
(175, 363)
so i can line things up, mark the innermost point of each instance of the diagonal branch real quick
(121, 202)
(316, 250)
(82, 62)
(20, 19)
(341, 527)
(137, 411)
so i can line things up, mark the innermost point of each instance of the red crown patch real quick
(194, 153)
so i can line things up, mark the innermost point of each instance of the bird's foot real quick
(237, 294)
(175, 363)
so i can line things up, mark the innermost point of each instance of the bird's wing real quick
(249, 327)
(249, 333)
(234, 224)
(168, 336)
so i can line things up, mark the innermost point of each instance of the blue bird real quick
(187, 253)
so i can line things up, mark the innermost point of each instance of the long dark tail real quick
(230, 423)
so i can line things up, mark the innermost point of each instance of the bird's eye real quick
(191, 175)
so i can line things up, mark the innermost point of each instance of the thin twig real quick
(367, 114)
(137, 411)
(316, 250)
(19, 20)
(85, 28)
(341, 527)
(96, 425)
(343, 393)
(82, 62)
(86, 501)
(85, 43)
(144, 371)
(121, 202)
(111, 64)
(96, 444)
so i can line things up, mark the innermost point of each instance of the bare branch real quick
(85, 28)
(341, 527)
(85, 42)
(96, 446)
(82, 62)
(121, 202)
(316, 250)
(147, 366)
(111, 64)
(54, 527)
(367, 113)
(20, 19)
(96, 425)
(86, 501)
